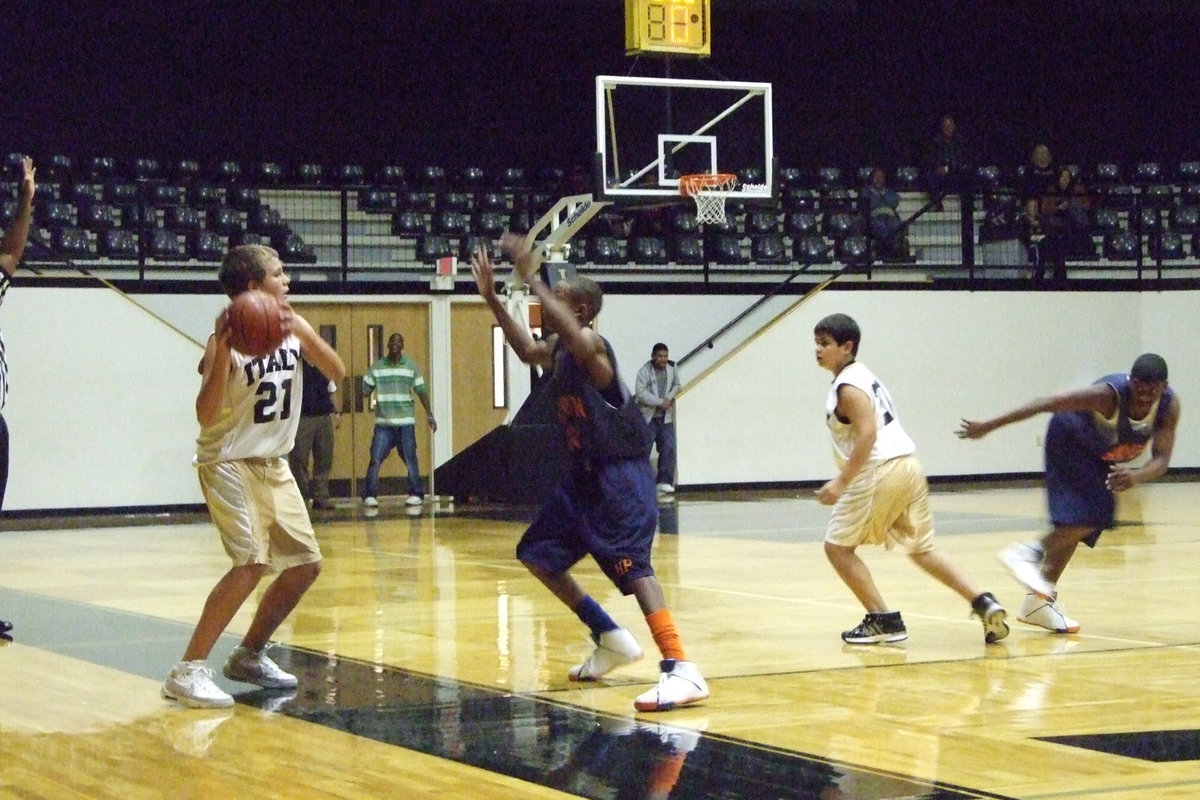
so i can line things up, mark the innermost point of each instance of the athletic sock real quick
(596, 618)
(662, 628)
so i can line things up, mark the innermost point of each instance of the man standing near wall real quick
(394, 379)
(11, 249)
(656, 386)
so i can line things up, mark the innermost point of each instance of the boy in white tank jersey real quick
(880, 495)
(248, 410)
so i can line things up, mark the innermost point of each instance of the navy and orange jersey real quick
(600, 425)
(1118, 438)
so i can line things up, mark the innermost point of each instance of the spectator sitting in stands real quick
(1063, 221)
(947, 160)
(879, 203)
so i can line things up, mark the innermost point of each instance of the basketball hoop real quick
(709, 190)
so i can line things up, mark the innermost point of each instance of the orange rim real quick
(690, 184)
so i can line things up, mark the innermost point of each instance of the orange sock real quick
(662, 628)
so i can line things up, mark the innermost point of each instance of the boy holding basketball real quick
(248, 410)
(880, 495)
(606, 506)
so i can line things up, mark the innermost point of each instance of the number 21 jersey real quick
(891, 441)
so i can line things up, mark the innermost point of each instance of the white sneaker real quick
(680, 684)
(614, 648)
(190, 683)
(1025, 564)
(1046, 614)
(370, 502)
(414, 500)
(247, 666)
(665, 488)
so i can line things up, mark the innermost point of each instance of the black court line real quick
(527, 737)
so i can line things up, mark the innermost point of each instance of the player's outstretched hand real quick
(485, 275)
(523, 261)
(28, 181)
(971, 429)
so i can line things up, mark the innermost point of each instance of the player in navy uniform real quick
(880, 495)
(248, 409)
(606, 507)
(1092, 435)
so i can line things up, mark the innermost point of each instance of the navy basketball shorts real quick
(612, 517)
(1075, 482)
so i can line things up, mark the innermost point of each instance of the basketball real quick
(256, 323)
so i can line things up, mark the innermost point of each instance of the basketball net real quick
(710, 191)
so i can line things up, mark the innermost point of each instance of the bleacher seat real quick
(8, 210)
(540, 203)
(292, 249)
(247, 237)
(907, 179)
(726, 248)
(165, 245)
(1106, 220)
(729, 227)
(226, 172)
(688, 249)
(391, 175)
(470, 179)
(1121, 246)
(166, 194)
(800, 223)
(578, 253)
(605, 250)
(987, 178)
(310, 174)
(224, 221)
(492, 201)
(205, 196)
(145, 169)
(511, 179)
(432, 247)
(120, 193)
(1106, 174)
(265, 220)
(1185, 219)
(519, 221)
(840, 224)
(81, 194)
(139, 216)
(452, 201)
(488, 223)
(648, 250)
(799, 199)
(790, 177)
(99, 217)
(243, 198)
(1147, 172)
(118, 243)
(182, 219)
(830, 178)
(811, 250)
(408, 224)
(1149, 220)
(430, 178)
(854, 249)
(551, 179)
(1120, 196)
(837, 200)
(58, 168)
(377, 200)
(72, 242)
(416, 200)
(54, 215)
(206, 246)
(350, 175)
(451, 223)
(101, 169)
(1166, 246)
(761, 222)
(185, 170)
(1158, 195)
(768, 248)
(467, 246)
(862, 175)
(269, 173)
(1188, 172)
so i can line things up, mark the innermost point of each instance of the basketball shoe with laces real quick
(1048, 614)
(614, 648)
(680, 684)
(877, 628)
(250, 667)
(1025, 563)
(190, 683)
(992, 615)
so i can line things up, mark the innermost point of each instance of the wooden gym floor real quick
(432, 665)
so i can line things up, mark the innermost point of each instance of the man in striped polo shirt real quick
(394, 379)
(11, 248)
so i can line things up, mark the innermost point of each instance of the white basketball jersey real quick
(261, 410)
(890, 439)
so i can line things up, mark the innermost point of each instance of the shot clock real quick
(679, 27)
